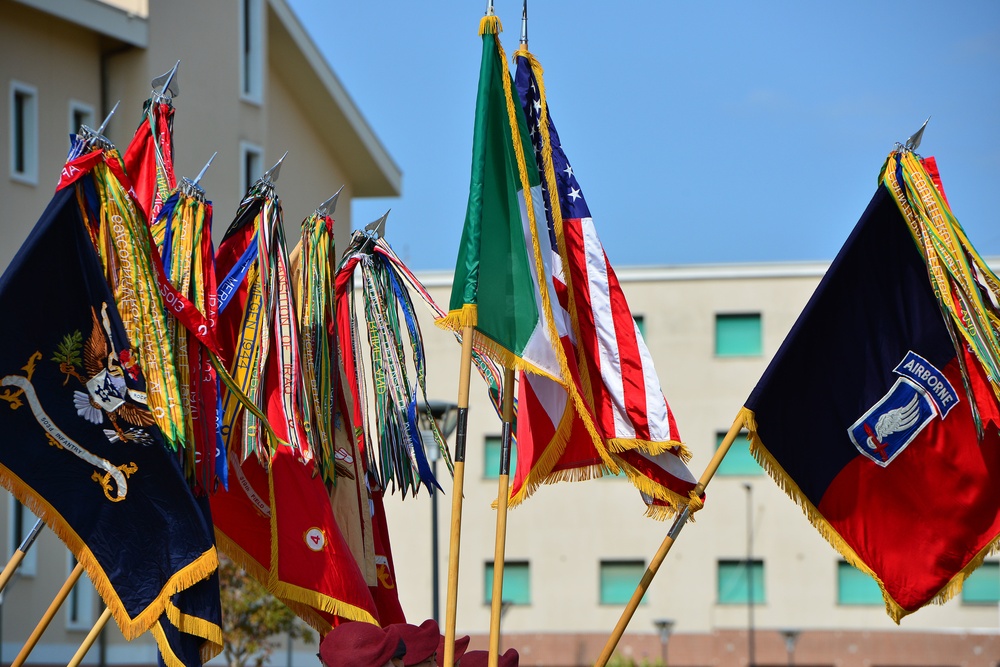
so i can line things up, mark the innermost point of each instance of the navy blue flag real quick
(81, 449)
(189, 634)
(882, 428)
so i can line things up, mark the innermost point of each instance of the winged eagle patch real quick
(920, 394)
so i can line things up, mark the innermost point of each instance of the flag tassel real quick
(503, 490)
(694, 505)
(57, 601)
(464, 379)
(92, 636)
(18, 556)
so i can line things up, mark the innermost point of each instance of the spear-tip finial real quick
(271, 175)
(489, 8)
(205, 168)
(166, 83)
(914, 141)
(327, 208)
(107, 119)
(191, 188)
(376, 228)
(524, 24)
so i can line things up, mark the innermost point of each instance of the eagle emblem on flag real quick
(920, 394)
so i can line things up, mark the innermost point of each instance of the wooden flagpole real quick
(18, 556)
(36, 634)
(90, 639)
(668, 542)
(503, 489)
(462, 428)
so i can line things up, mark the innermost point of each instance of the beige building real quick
(575, 551)
(252, 86)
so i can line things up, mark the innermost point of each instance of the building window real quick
(80, 603)
(80, 114)
(855, 587)
(20, 524)
(640, 325)
(738, 335)
(738, 460)
(983, 585)
(619, 579)
(24, 133)
(491, 457)
(251, 50)
(516, 582)
(735, 587)
(251, 165)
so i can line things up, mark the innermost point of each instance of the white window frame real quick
(29, 174)
(80, 600)
(29, 564)
(252, 51)
(246, 179)
(75, 107)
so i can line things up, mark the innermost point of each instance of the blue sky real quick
(700, 132)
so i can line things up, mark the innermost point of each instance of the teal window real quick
(736, 587)
(855, 587)
(491, 458)
(516, 582)
(738, 335)
(619, 579)
(640, 323)
(983, 585)
(738, 460)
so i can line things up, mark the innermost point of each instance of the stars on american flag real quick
(571, 197)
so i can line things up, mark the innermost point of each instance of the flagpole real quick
(503, 489)
(18, 556)
(36, 634)
(90, 639)
(668, 542)
(464, 378)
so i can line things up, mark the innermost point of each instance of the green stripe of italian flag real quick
(496, 285)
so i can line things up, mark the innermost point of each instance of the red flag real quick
(149, 159)
(276, 520)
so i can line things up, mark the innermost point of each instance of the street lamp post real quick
(791, 636)
(749, 571)
(445, 417)
(664, 626)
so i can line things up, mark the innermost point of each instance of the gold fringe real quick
(242, 559)
(131, 628)
(490, 25)
(651, 447)
(169, 658)
(694, 502)
(316, 600)
(457, 320)
(829, 533)
(675, 501)
(200, 627)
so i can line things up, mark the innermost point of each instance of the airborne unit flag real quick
(893, 456)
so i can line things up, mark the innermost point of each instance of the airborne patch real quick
(921, 393)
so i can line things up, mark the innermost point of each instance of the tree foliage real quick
(253, 621)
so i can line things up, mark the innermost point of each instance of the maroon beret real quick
(358, 644)
(461, 644)
(421, 640)
(482, 659)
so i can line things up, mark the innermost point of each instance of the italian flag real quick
(500, 265)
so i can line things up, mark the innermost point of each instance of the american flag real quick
(618, 395)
